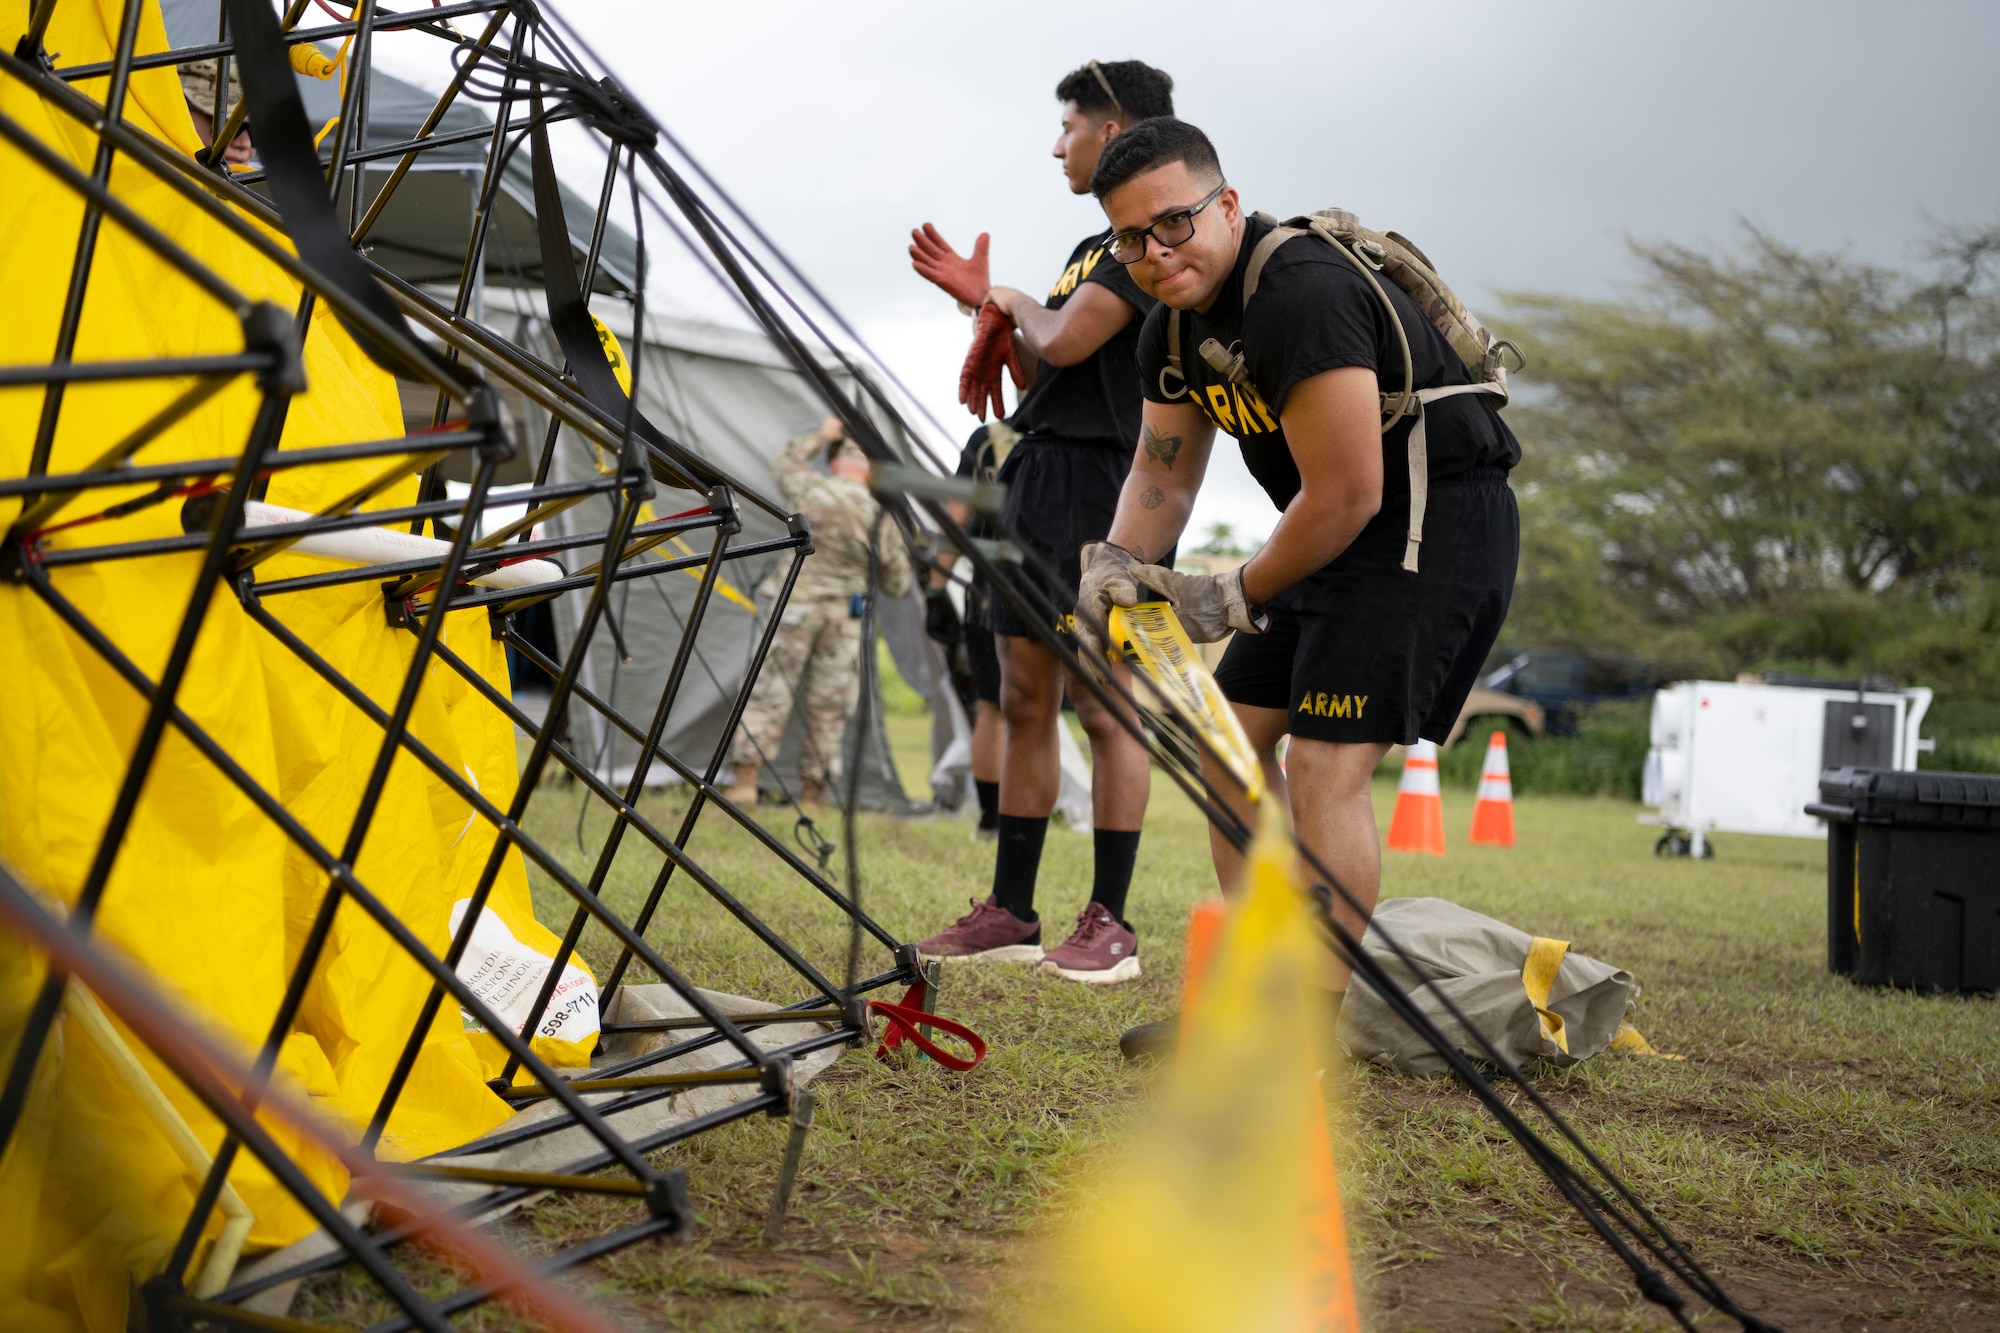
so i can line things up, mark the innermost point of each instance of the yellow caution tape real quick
(1173, 671)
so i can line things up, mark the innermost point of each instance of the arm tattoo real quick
(1152, 498)
(1162, 449)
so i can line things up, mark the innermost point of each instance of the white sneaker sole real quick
(1125, 969)
(1006, 953)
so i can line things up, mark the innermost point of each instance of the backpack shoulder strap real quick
(1328, 226)
(1253, 273)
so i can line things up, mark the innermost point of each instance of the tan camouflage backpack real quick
(1373, 252)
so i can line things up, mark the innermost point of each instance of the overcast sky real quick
(1520, 145)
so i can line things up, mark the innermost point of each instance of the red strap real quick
(132, 506)
(685, 513)
(904, 1016)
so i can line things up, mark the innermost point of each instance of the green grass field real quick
(1832, 1153)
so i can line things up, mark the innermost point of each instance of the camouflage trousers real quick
(815, 657)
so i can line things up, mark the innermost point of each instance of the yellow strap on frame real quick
(1172, 669)
(1628, 1040)
(1538, 976)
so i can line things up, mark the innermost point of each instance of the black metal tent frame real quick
(526, 61)
(379, 311)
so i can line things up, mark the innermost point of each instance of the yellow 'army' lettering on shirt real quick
(1333, 705)
(1075, 274)
(1238, 409)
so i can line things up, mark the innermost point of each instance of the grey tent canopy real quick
(423, 233)
(728, 394)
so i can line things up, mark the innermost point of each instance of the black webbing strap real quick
(298, 187)
(569, 315)
(576, 332)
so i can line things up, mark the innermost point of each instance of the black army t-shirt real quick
(1093, 402)
(1313, 312)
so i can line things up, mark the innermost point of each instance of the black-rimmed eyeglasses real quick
(1129, 247)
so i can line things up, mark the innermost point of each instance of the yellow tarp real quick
(207, 895)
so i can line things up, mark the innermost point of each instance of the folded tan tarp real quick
(1532, 997)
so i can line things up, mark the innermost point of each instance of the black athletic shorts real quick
(1059, 496)
(984, 658)
(1365, 651)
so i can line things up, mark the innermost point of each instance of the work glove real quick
(1107, 582)
(957, 275)
(941, 620)
(992, 347)
(1209, 605)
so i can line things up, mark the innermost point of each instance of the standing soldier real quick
(816, 654)
(1077, 422)
(983, 457)
(205, 103)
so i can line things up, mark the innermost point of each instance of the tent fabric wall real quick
(730, 397)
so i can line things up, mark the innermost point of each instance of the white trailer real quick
(1745, 757)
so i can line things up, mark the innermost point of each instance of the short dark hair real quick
(1142, 92)
(1153, 144)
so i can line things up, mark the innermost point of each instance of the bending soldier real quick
(1364, 620)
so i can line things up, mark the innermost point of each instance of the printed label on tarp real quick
(507, 975)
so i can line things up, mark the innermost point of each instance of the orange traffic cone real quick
(1204, 932)
(1418, 824)
(1493, 813)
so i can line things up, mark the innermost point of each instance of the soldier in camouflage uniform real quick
(817, 651)
(198, 85)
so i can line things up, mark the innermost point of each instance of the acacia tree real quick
(1767, 458)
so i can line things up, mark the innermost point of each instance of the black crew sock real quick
(989, 803)
(1116, 851)
(1017, 861)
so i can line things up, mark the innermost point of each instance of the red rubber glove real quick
(957, 275)
(992, 348)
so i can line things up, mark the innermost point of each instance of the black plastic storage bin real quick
(1912, 877)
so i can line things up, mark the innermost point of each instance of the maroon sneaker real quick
(1099, 952)
(987, 931)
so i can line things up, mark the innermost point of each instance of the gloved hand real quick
(941, 620)
(959, 276)
(992, 347)
(1209, 605)
(1107, 582)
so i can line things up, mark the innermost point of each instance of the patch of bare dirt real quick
(1444, 1291)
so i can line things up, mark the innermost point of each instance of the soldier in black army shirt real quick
(1338, 642)
(1076, 423)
